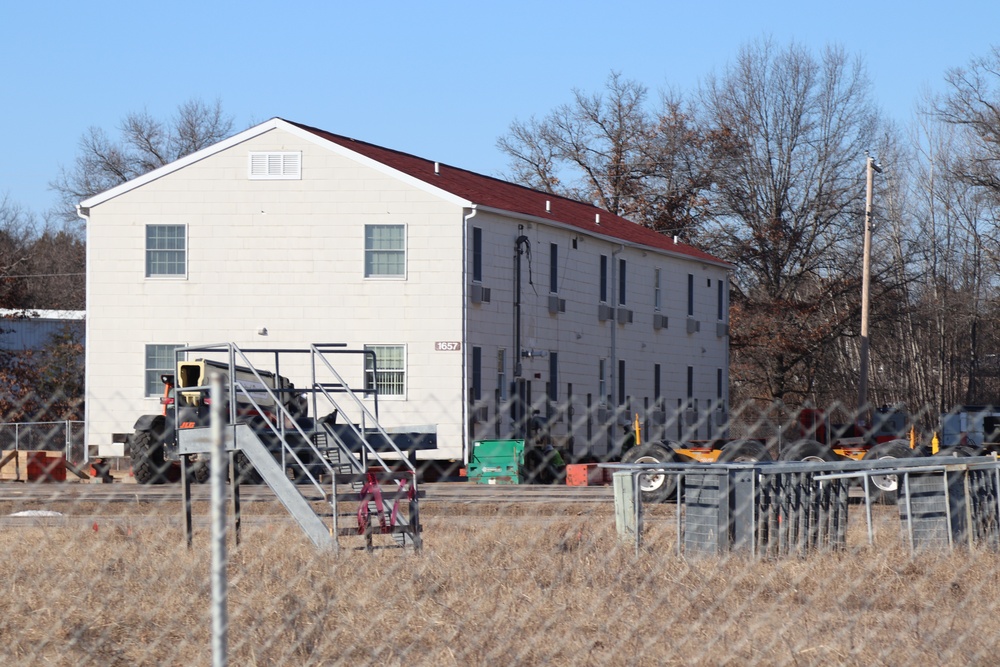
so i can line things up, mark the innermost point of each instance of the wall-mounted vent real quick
(659, 321)
(624, 316)
(721, 417)
(693, 325)
(556, 305)
(276, 165)
(481, 414)
(479, 294)
(722, 329)
(690, 417)
(658, 417)
(604, 313)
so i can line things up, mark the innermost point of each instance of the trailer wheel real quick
(654, 488)
(743, 451)
(807, 450)
(885, 488)
(146, 452)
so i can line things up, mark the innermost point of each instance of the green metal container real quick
(496, 462)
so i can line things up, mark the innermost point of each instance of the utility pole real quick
(866, 275)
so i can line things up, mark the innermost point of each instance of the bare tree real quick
(144, 144)
(789, 135)
(610, 149)
(973, 105)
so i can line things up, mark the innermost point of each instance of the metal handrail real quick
(364, 411)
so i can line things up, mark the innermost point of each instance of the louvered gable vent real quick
(284, 165)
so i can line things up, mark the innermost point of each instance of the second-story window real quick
(553, 268)
(657, 302)
(690, 295)
(604, 278)
(166, 251)
(477, 254)
(622, 291)
(385, 251)
(722, 300)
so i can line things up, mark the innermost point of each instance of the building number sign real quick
(447, 346)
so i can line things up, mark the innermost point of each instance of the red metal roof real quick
(495, 193)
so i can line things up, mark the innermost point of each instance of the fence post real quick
(626, 523)
(220, 617)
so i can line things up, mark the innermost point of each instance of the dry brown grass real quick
(496, 584)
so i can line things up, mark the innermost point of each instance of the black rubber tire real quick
(146, 452)
(743, 451)
(537, 469)
(652, 487)
(807, 450)
(245, 472)
(200, 472)
(884, 489)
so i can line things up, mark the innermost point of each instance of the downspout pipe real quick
(466, 348)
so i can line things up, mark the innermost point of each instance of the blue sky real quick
(442, 80)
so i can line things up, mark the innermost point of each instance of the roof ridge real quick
(344, 138)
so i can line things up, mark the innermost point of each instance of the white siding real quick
(581, 340)
(287, 255)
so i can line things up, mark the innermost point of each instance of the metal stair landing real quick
(371, 498)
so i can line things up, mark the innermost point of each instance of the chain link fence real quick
(101, 574)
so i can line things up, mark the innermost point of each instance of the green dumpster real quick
(496, 462)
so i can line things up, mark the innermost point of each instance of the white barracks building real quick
(478, 295)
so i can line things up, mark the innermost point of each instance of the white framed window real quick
(477, 254)
(690, 295)
(160, 359)
(166, 251)
(657, 298)
(622, 289)
(388, 373)
(385, 251)
(603, 296)
(721, 301)
(276, 165)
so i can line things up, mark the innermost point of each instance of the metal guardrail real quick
(946, 502)
(56, 436)
(783, 507)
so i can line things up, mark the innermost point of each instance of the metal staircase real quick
(359, 474)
